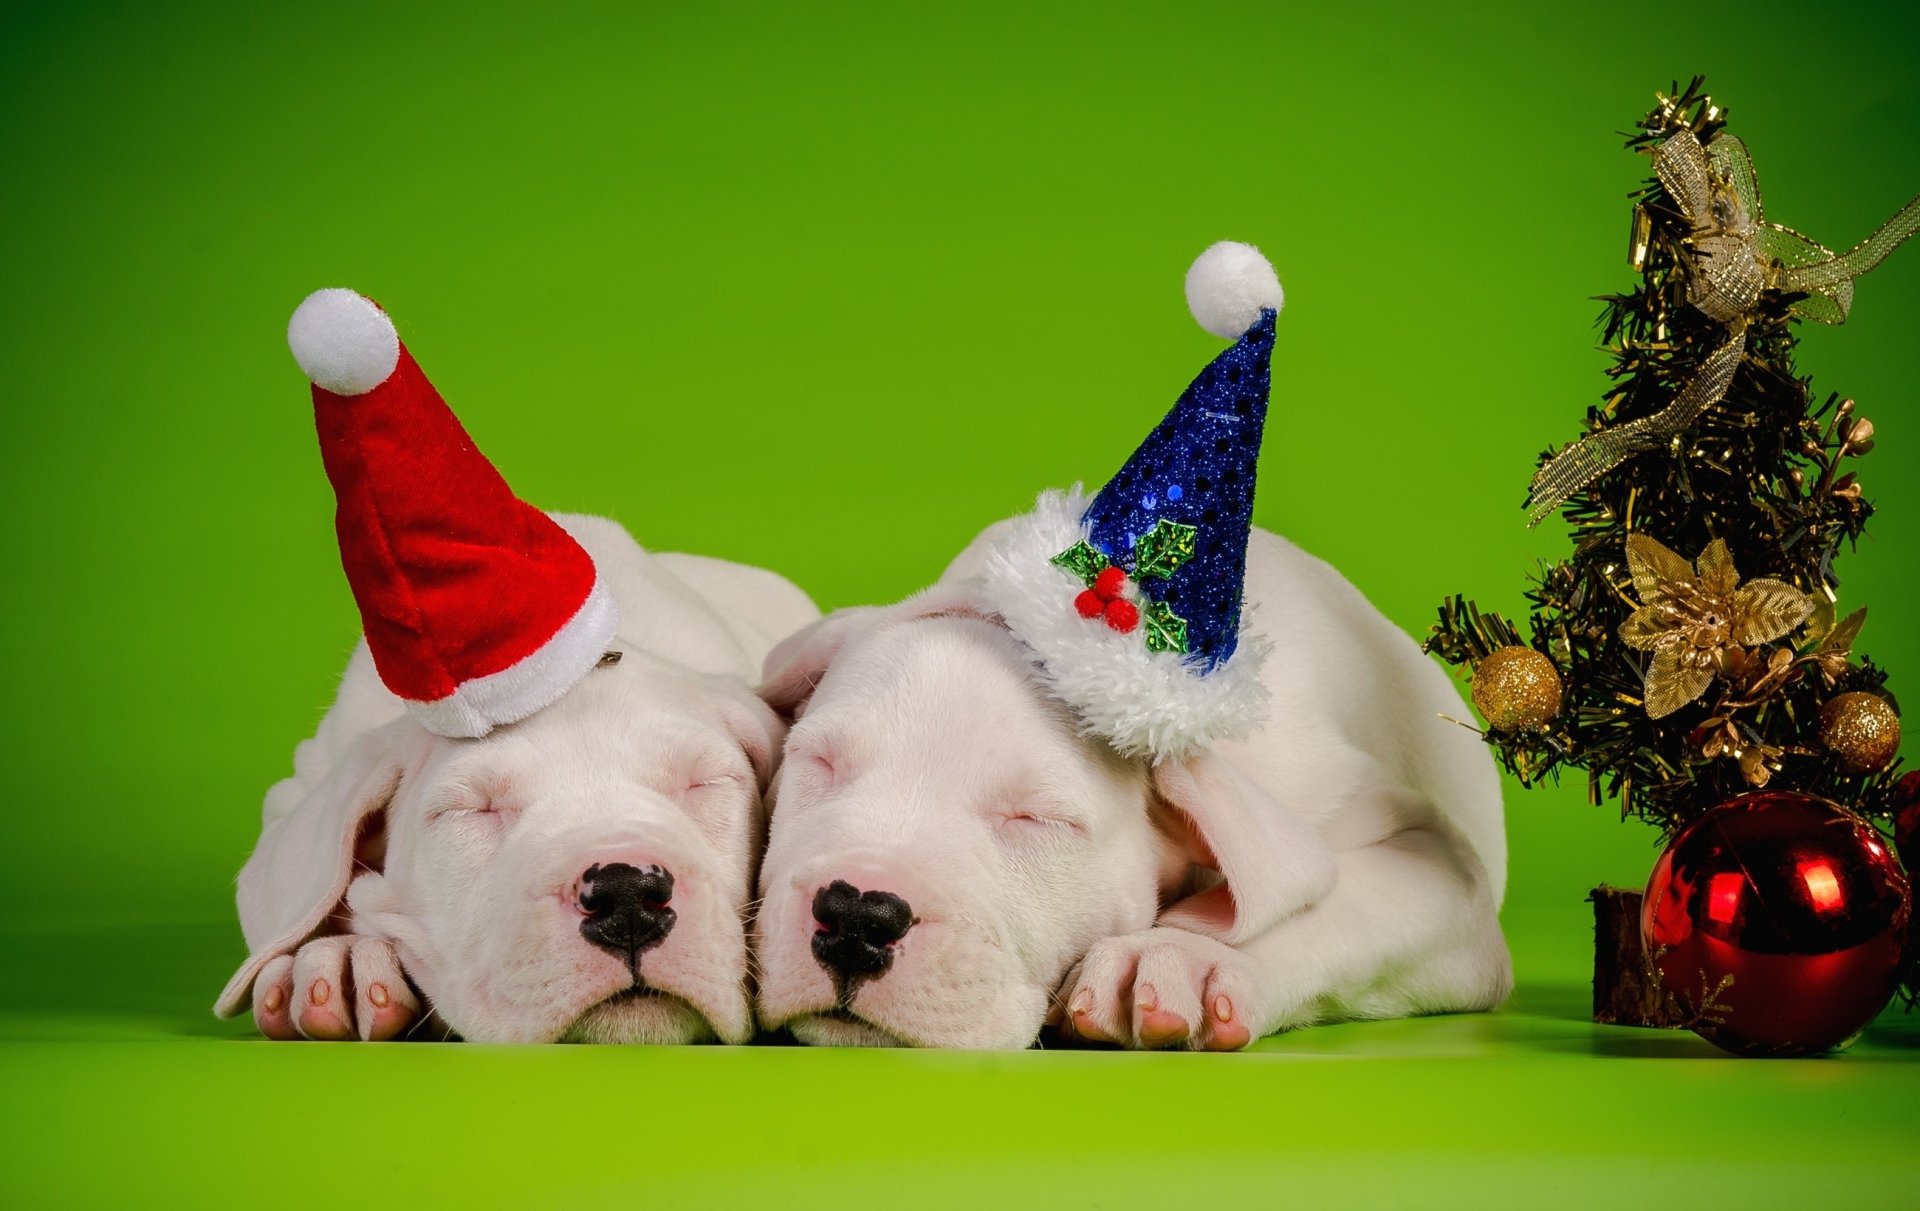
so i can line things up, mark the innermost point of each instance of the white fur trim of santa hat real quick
(481, 704)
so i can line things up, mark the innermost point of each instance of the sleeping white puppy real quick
(537, 798)
(579, 875)
(958, 856)
(1344, 861)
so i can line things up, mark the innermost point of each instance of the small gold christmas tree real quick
(1707, 460)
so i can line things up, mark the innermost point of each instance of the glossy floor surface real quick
(117, 1088)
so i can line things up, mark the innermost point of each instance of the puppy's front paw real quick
(344, 987)
(1162, 988)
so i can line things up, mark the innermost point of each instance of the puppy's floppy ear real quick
(305, 858)
(1270, 865)
(797, 663)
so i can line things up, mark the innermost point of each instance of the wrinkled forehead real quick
(635, 719)
(947, 680)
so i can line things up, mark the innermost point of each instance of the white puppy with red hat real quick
(534, 810)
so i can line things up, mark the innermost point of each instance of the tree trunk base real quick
(1625, 990)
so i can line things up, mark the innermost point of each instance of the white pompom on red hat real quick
(479, 609)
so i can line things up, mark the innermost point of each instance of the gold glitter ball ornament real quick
(1516, 689)
(1861, 729)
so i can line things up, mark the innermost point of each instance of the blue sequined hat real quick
(1186, 497)
(1131, 602)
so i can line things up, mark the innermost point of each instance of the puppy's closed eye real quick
(715, 773)
(473, 813)
(475, 798)
(816, 766)
(715, 782)
(1035, 820)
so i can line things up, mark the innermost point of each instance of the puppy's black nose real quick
(626, 907)
(857, 929)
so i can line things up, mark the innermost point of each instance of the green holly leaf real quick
(1083, 561)
(1162, 550)
(1841, 637)
(1166, 630)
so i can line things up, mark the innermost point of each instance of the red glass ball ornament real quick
(1906, 818)
(1776, 922)
(1123, 615)
(1109, 583)
(1089, 604)
(1906, 839)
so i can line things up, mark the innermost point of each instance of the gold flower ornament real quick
(1698, 618)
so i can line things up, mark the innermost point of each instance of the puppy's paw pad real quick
(1158, 1028)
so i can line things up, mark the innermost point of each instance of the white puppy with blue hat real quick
(1133, 766)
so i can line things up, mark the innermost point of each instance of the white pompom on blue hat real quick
(1151, 656)
(1229, 285)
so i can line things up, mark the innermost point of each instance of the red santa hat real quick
(478, 608)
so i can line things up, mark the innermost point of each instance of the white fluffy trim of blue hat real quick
(1150, 704)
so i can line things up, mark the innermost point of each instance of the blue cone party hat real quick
(1131, 602)
(1175, 518)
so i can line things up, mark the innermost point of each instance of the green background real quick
(826, 289)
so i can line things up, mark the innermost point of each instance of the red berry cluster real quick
(1103, 600)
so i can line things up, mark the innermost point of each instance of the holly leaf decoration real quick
(1162, 550)
(1083, 561)
(1841, 637)
(1833, 653)
(1166, 631)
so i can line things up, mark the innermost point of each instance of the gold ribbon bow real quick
(1736, 256)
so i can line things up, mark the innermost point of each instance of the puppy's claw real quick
(319, 970)
(272, 991)
(386, 1007)
(1223, 1029)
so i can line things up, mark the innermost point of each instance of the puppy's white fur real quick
(462, 857)
(1344, 859)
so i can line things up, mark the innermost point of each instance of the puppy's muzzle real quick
(857, 931)
(627, 908)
